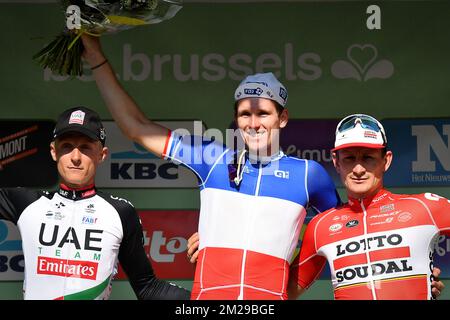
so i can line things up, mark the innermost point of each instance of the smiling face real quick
(77, 157)
(260, 123)
(362, 169)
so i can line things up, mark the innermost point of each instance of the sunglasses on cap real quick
(365, 121)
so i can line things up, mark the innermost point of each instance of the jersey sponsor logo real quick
(387, 220)
(404, 217)
(88, 193)
(386, 267)
(352, 223)
(122, 199)
(89, 220)
(344, 217)
(381, 197)
(64, 193)
(90, 208)
(67, 268)
(281, 174)
(378, 255)
(91, 241)
(335, 227)
(364, 244)
(387, 207)
(59, 205)
(54, 215)
(384, 215)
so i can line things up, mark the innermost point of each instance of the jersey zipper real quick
(244, 257)
(71, 225)
(366, 243)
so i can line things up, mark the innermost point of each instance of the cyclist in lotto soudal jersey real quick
(379, 245)
(253, 201)
(73, 238)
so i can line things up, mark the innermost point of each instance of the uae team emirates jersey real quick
(248, 231)
(378, 248)
(72, 242)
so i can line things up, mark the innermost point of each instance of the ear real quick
(336, 161)
(104, 154)
(284, 117)
(53, 150)
(388, 160)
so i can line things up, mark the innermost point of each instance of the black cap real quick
(82, 120)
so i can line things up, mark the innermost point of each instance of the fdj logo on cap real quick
(258, 91)
(77, 117)
(283, 94)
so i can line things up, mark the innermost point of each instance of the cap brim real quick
(76, 129)
(364, 145)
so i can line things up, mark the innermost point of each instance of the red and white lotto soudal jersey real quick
(378, 248)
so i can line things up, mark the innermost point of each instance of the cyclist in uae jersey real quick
(379, 245)
(74, 238)
(251, 210)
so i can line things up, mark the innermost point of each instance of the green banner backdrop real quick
(188, 67)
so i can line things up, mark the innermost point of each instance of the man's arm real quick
(294, 290)
(307, 266)
(126, 113)
(439, 208)
(14, 200)
(321, 189)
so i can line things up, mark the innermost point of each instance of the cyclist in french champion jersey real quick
(74, 238)
(379, 245)
(253, 199)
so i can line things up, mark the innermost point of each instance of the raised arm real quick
(126, 113)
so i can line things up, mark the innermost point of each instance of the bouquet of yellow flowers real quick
(97, 17)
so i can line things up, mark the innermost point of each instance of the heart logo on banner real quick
(362, 64)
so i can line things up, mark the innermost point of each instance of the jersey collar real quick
(265, 160)
(379, 197)
(77, 194)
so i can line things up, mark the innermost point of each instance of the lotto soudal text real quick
(390, 258)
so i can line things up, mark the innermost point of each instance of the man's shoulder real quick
(119, 203)
(426, 197)
(329, 214)
(27, 194)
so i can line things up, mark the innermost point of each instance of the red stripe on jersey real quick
(166, 144)
(349, 261)
(393, 253)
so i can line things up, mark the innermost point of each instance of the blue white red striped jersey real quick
(249, 231)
